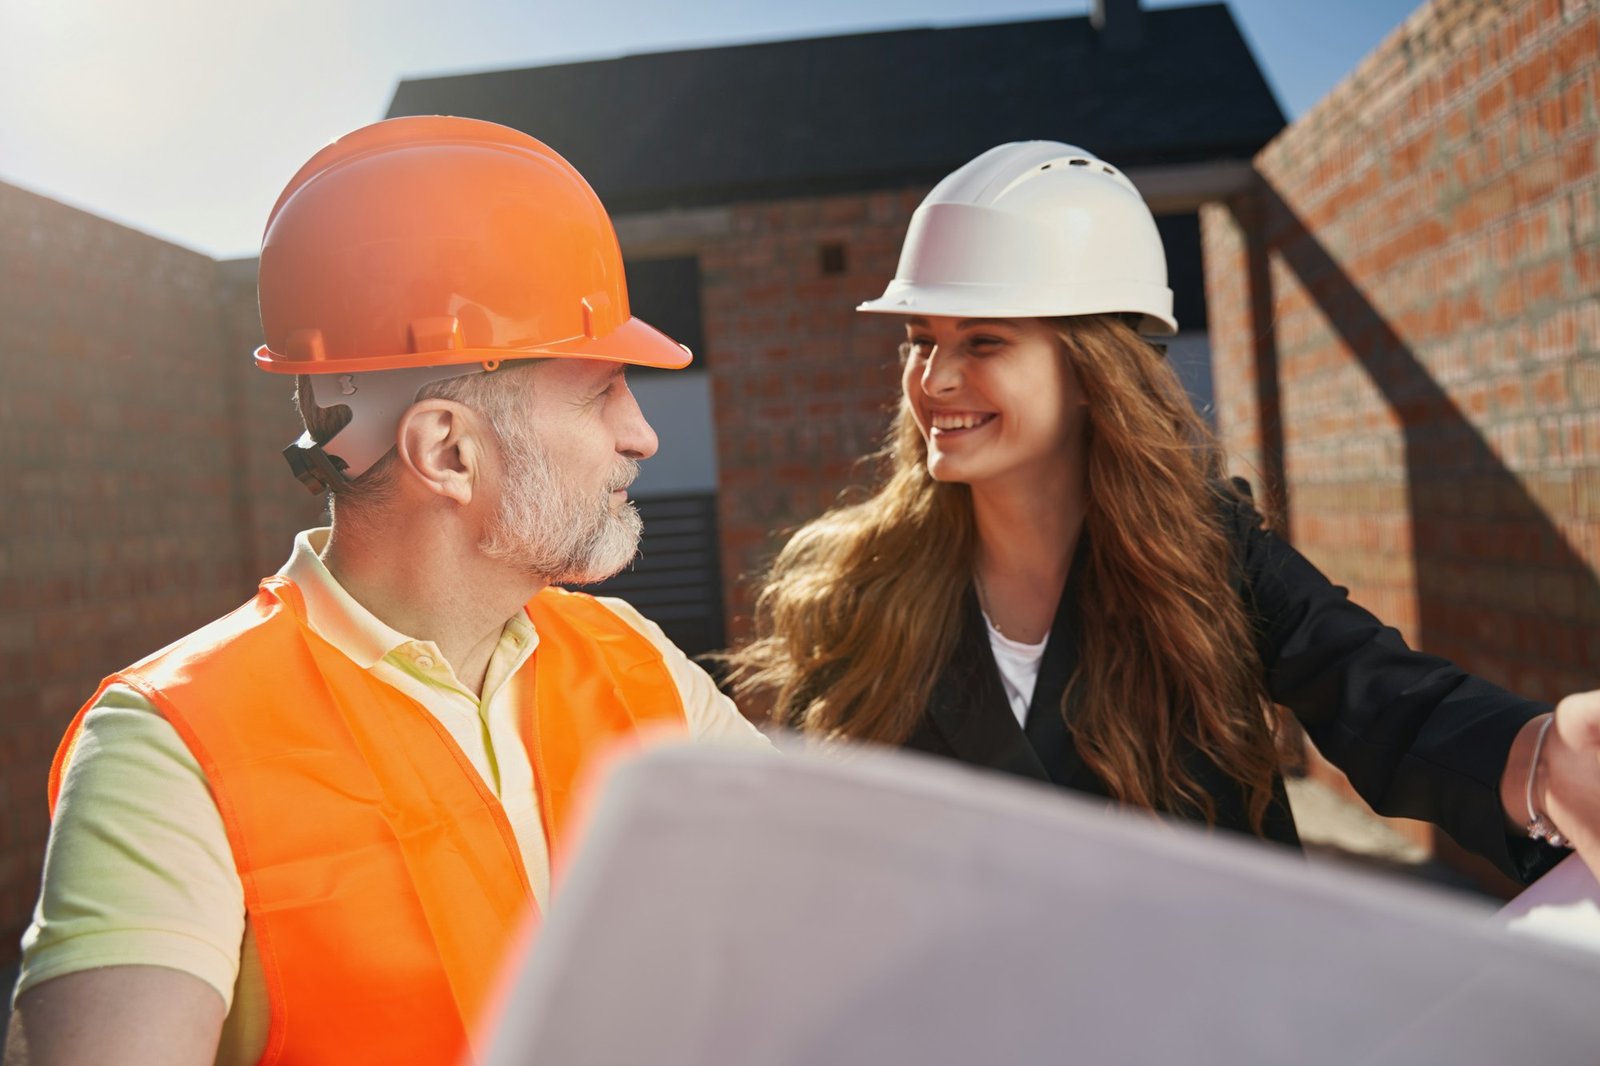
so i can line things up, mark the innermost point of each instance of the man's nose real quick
(635, 438)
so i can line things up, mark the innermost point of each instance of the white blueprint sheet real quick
(741, 909)
(1563, 906)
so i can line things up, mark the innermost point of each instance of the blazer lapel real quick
(968, 707)
(1047, 731)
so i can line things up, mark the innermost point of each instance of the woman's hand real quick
(1566, 788)
(1568, 784)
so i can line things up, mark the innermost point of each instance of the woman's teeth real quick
(959, 421)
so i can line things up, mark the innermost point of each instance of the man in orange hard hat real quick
(308, 832)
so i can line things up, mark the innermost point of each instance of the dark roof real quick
(875, 110)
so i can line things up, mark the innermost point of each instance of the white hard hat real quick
(1032, 229)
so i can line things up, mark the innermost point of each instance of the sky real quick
(184, 118)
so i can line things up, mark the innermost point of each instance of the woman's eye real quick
(984, 344)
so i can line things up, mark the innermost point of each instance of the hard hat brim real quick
(635, 342)
(984, 301)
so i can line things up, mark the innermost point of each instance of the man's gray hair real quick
(496, 395)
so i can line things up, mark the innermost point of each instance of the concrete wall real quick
(1405, 318)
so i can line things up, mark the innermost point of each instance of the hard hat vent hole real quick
(1078, 163)
(1047, 166)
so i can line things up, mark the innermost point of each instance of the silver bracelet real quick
(1539, 827)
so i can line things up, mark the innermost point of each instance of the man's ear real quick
(440, 443)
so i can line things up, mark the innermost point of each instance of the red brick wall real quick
(1405, 318)
(803, 385)
(272, 505)
(125, 523)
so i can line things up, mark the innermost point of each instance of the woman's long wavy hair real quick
(863, 605)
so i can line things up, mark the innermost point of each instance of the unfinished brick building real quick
(1401, 294)
(761, 192)
(1405, 321)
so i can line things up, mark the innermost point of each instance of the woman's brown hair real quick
(862, 607)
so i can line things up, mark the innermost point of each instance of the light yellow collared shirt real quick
(139, 870)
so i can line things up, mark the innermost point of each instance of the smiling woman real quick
(1056, 578)
(992, 397)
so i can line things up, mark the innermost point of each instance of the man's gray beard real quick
(548, 529)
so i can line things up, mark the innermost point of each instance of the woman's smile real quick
(946, 424)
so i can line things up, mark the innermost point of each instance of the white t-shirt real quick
(1019, 668)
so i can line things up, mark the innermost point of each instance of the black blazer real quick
(1418, 737)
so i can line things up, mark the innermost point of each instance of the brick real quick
(1537, 179)
(844, 210)
(1549, 388)
(1508, 299)
(1579, 47)
(1531, 78)
(1580, 160)
(1586, 382)
(1542, 284)
(1586, 270)
(1493, 101)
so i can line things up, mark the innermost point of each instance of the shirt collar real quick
(331, 612)
(340, 619)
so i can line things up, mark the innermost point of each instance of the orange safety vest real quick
(381, 876)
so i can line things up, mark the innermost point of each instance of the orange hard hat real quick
(436, 241)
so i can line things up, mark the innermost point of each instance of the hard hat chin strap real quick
(376, 401)
(314, 468)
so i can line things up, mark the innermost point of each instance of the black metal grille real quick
(676, 581)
